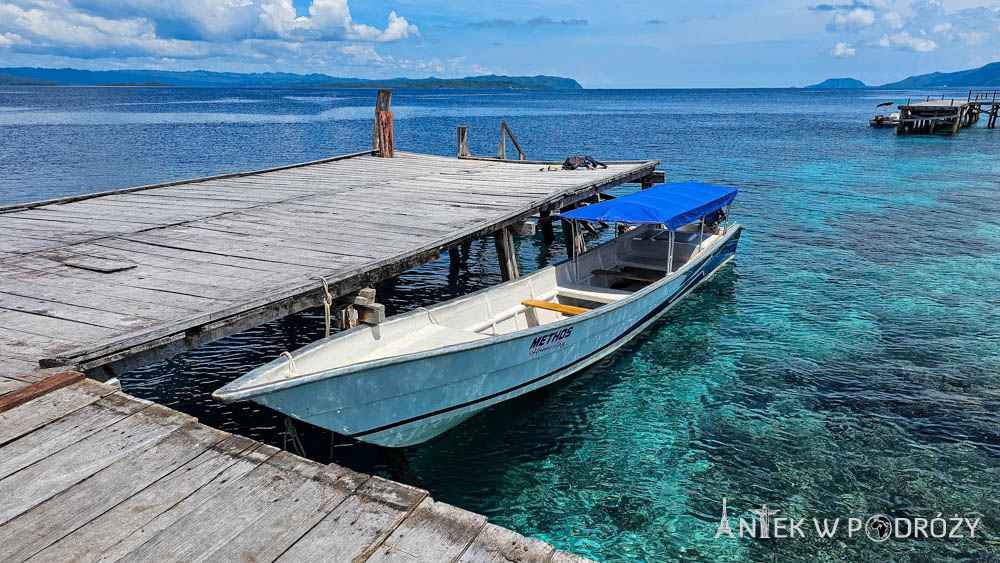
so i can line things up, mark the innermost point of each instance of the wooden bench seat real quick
(592, 293)
(568, 310)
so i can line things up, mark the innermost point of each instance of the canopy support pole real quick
(701, 233)
(670, 255)
(725, 230)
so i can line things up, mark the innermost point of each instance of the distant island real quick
(987, 76)
(204, 78)
(984, 76)
(143, 85)
(12, 80)
(839, 83)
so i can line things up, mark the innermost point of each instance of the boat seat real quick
(625, 276)
(427, 338)
(592, 293)
(567, 310)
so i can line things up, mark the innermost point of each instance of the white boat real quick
(417, 374)
(884, 117)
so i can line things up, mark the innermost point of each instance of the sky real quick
(621, 44)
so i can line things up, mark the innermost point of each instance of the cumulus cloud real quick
(852, 20)
(907, 42)
(843, 50)
(184, 29)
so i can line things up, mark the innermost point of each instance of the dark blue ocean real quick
(845, 365)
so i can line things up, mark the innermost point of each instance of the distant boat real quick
(418, 374)
(882, 118)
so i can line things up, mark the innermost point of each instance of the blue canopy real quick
(673, 205)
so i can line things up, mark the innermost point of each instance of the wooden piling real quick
(548, 233)
(382, 103)
(384, 119)
(463, 146)
(506, 129)
(506, 255)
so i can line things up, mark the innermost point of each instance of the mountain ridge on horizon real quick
(205, 78)
(987, 76)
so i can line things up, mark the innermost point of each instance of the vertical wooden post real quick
(382, 103)
(548, 234)
(385, 133)
(455, 258)
(506, 129)
(504, 242)
(463, 146)
(502, 152)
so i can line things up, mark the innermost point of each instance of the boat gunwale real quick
(249, 392)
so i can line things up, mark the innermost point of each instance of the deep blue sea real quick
(845, 365)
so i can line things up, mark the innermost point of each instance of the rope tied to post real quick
(327, 301)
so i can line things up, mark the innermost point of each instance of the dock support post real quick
(548, 234)
(504, 242)
(502, 152)
(382, 103)
(463, 146)
(455, 258)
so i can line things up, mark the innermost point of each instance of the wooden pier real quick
(88, 473)
(103, 283)
(932, 115)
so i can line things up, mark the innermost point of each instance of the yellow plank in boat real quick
(558, 307)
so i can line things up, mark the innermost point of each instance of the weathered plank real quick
(353, 530)
(169, 502)
(433, 532)
(48, 522)
(38, 482)
(38, 389)
(500, 545)
(253, 509)
(51, 406)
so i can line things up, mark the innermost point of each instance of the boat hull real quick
(402, 403)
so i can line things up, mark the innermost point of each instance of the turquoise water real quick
(844, 365)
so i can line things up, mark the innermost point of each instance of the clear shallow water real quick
(844, 365)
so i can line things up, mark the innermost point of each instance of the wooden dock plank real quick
(500, 545)
(40, 411)
(39, 482)
(201, 535)
(49, 521)
(433, 532)
(353, 530)
(65, 432)
(160, 507)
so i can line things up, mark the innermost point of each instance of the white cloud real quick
(942, 27)
(852, 20)
(363, 54)
(893, 19)
(843, 50)
(907, 42)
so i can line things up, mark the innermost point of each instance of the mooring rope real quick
(292, 370)
(327, 301)
(429, 314)
(291, 433)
